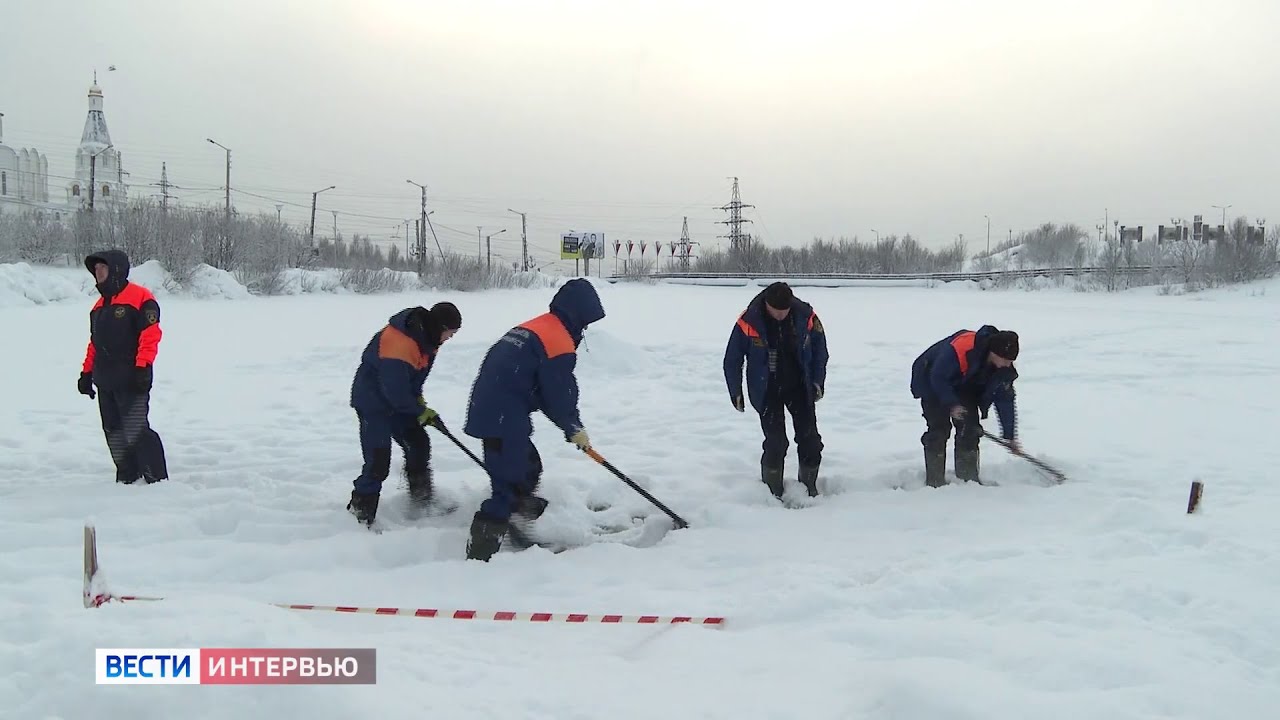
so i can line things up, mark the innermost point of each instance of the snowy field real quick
(885, 600)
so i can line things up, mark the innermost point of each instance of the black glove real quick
(142, 379)
(85, 385)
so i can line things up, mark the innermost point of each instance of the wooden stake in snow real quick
(1193, 501)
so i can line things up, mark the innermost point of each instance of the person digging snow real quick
(529, 368)
(957, 379)
(785, 348)
(124, 338)
(386, 394)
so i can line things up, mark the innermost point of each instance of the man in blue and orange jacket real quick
(785, 348)
(956, 379)
(386, 394)
(530, 368)
(124, 338)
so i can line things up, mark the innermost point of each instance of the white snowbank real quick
(22, 284)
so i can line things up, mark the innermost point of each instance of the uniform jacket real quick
(748, 340)
(531, 368)
(124, 325)
(393, 367)
(954, 371)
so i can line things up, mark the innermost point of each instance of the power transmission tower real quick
(684, 249)
(164, 186)
(738, 240)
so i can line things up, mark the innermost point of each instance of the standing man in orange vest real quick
(124, 337)
(785, 349)
(957, 378)
(530, 368)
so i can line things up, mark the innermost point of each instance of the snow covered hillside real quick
(883, 599)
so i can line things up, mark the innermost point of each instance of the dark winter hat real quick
(779, 296)
(447, 315)
(1005, 344)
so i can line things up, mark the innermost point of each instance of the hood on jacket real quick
(417, 323)
(577, 305)
(117, 270)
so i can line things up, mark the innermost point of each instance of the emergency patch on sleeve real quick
(153, 317)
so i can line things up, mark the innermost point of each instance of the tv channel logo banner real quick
(236, 666)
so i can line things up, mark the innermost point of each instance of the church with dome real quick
(98, 176)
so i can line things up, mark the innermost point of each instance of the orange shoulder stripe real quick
(746, 328)
(962, 344)
(395, 345)
(134, 295)
(556, 340)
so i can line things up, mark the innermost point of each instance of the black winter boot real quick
(935, 466)
(420, 488)
(809, 479)
(486, 538)
(528, 509)
(773, 478)
(967, 464)
(364, 507)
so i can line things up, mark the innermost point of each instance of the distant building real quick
(24, 174)
(24, 178)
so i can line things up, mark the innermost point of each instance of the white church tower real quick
(97, 162)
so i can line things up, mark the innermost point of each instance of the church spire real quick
(95, 136)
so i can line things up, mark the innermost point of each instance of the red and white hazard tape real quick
(96, 597)
(500, 615)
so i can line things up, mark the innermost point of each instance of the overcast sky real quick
(917, 116)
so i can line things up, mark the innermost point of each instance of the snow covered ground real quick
(1099, 598)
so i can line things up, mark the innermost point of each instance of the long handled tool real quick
(439, 425)
(680, 523)
(1054, 472)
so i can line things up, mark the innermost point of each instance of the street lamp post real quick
(93, 174)
(228, 186)
(488, 247)
(311, 234)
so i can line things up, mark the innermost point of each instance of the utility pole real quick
(279, 207)
(228, 187)
(737, 239)
(311, 234)
(422, 236)
(988, 217)
(93, 173)
(488, 246)
(335, 226)
(478, 251)
(433, 237)
(524, 242)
